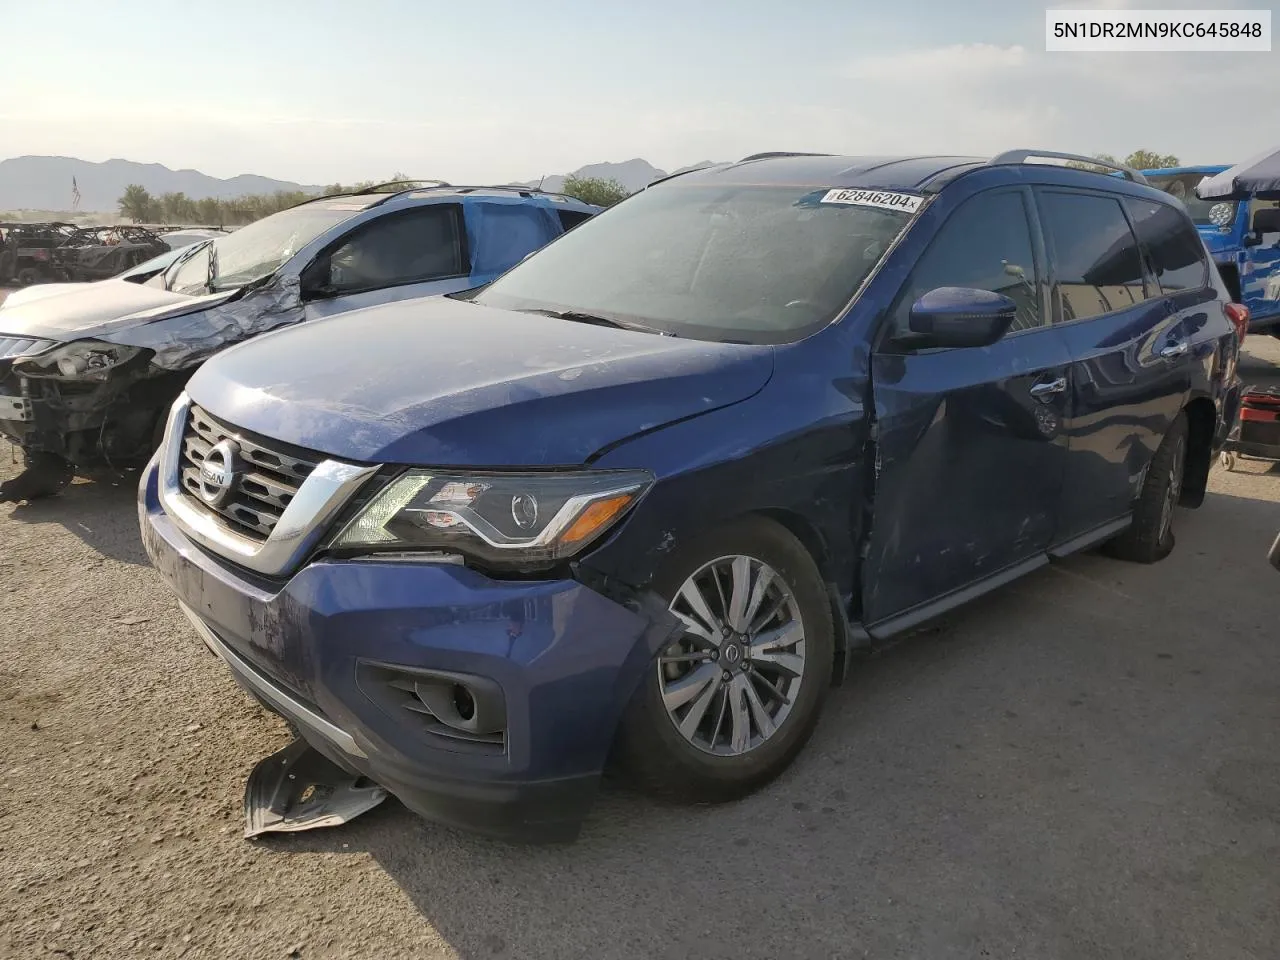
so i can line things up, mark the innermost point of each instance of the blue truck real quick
(1244, 245)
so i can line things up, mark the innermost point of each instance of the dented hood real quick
(448, 383)
(83, 311)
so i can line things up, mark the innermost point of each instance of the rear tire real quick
(1150, 537)
(691, 735)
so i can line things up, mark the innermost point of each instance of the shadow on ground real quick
(101, 512)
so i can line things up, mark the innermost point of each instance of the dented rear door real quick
(970, 451)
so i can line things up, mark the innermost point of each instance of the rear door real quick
(418, 252)
(1129, 341)
(970, 451)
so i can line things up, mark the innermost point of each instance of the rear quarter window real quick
(1173, 247)
(571, 218)
(1099, 266)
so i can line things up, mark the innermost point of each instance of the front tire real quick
(1150, 536)
(727, 707)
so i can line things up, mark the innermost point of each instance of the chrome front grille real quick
(261, 492)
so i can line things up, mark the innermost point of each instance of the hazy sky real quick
(486, 90)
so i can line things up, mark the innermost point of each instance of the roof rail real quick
(520, 188)
(1021, 156)
(376, 187)
(365, 191)
(436, 185)
(681, 173)
(781, 153)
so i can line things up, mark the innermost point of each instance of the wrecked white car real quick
(88, 371)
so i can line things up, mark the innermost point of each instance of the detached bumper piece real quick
(298, 788)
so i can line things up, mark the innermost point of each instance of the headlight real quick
(509, 519)
(81, 360)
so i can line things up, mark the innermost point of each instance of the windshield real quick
(1217, 213)
(252, 252)
(742, 262)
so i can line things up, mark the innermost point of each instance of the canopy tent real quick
(1257, 177)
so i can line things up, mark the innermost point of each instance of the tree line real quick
(1138, 160)
(140, 206)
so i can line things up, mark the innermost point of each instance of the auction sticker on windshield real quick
(884, 199)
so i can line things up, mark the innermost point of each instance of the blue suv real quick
(642, 498)
(88, 371)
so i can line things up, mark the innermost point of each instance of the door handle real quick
(1046, 389)
(1173, 350)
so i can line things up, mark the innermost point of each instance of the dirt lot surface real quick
(1083, 765)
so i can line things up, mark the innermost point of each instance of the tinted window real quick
(1173, 247)
(1269, 239)
(986, 245)
(571, 218)
(733, 261)
(420, 245)
(1099, 267)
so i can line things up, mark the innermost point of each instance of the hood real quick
(79, 311)
(447, 383)
(38, 292)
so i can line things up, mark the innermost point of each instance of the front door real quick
(970, 449)
(414, 253)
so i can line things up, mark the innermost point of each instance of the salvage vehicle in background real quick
(139, 274)
(1242, 235)
(96, 253)
(644, 495)
(88, 372)
(27, 251)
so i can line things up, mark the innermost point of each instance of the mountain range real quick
(45, 183)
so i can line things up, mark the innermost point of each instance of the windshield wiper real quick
(578, 316)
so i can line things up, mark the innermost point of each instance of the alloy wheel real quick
(730, 682)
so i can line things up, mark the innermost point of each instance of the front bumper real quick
(89, 424)
(312, 648)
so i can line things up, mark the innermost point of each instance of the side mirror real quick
(1266, 220)
(316, 280)
(960, 317)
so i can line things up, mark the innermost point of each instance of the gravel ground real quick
(1080, 766)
